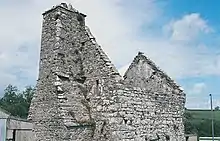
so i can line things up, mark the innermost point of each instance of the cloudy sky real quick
(182, 37)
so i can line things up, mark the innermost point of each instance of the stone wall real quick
(81, 96)
(168, 97)
(130, 113)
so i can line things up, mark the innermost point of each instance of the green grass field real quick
(199, 121)
(203, 114)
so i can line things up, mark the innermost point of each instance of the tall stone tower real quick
(60, 71)
(71, 63)
(81, 96)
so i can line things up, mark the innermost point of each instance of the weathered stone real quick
(80, 95)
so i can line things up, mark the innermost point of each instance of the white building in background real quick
(13, 128)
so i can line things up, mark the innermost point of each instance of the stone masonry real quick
(80, 96)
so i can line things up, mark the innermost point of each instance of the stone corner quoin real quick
(81, 96)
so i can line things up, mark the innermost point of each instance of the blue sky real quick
(208, 11)
(182, 37)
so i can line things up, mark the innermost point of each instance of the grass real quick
(204, 114)
(199, 121)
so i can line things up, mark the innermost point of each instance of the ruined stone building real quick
(80, 95)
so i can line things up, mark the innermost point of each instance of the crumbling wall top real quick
(65, 6)
(162, 74)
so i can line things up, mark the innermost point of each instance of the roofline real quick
(156, 68)
(12, 117)
(5, 111)
(18, 119)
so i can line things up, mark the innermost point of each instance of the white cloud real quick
(21, 25)
(201, 102)
(198, 88)
(198, 102)
(116, 25)
(198, 97)
(188, 28)
(180, 59)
